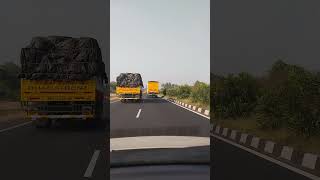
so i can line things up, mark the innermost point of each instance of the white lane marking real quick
(92, 164)
(114, 101)
(296, 170)
(138, 113)
(16, 126)
(189, 110)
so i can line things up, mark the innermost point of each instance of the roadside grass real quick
(189, 101)
(9, 108)
(282, 136)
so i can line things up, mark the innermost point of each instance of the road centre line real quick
(282, 164)
(92, 164)
(138, 113)
(16, 126)
(189, 109)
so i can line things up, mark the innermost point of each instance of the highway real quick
(155, 116)
(158, 117)
(231, 162)
(66, 152)
(63, 152)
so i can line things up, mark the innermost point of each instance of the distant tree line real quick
(113, 86)
(287, 97)
(199, 92)
(9, 81)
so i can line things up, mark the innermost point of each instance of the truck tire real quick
(99, 121)
(42, 123)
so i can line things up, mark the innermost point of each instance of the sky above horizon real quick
(21, 20)
(250, 35)
(167, 40)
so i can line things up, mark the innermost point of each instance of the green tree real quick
(9, 81)
(200, 92)
(113, 86)
(234, 96)
(164, 91)
(290, 99)
(184, 91)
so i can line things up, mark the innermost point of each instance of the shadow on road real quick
(161, 131)
(146, 100)
(75, 126)
(154, 100)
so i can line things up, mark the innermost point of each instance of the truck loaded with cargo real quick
(63, 78)
(153, 88)
(129, 87)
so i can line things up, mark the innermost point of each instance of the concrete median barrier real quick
(191, 107)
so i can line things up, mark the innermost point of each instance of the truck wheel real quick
(42, 123)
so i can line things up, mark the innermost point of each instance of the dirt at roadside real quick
(113, 97)
(10, 110)
(10, 105)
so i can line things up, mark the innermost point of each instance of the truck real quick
(126, 94)
(52, 97)
(129, 87)
(153, 89)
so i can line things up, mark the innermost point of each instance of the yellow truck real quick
(153, 88)
(63, 78)
(48, 101)
(129, 93)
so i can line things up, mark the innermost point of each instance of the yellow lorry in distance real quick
(129, 93)
(153, 88)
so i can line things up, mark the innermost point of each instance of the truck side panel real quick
(127, 90)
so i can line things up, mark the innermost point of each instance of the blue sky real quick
(164, 40)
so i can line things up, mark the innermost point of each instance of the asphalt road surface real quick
(68, 152)
(71, 152)
(230, 162)
(160, 117)
(155, 116)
